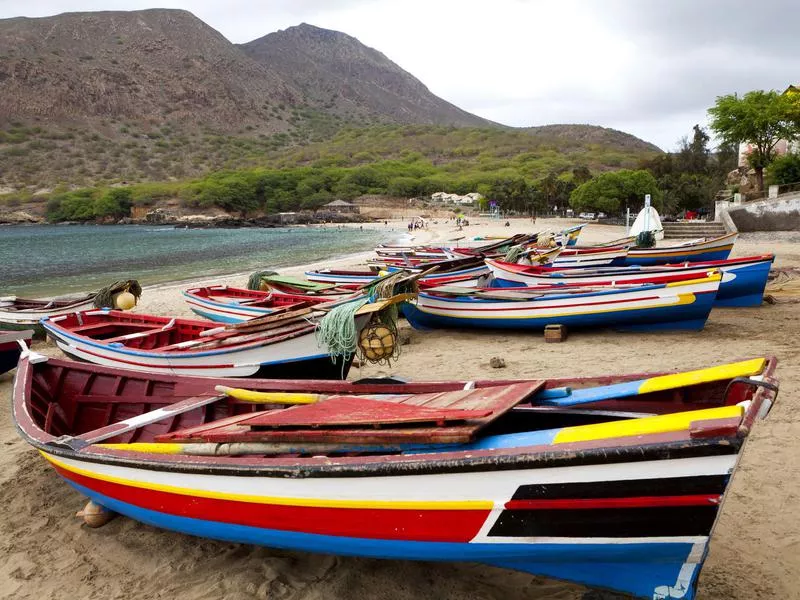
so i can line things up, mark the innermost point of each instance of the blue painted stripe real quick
(127, 351)
(216, 317)
(636, 568)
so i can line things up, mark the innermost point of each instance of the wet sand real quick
(755, 550)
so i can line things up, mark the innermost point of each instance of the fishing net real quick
(254, 281)
(783, 286)
(514, 253)
(646, 239)
(105, 297)
(337, 331)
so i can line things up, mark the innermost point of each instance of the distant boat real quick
(704, 249)
(225, 304)
(671, 306)
(282, 345)
(614, 482)
(743, 279)
(11, 345)
(18, 314)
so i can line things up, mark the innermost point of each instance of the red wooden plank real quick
(496, 401)
(343, 411)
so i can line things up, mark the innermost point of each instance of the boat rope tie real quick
(337, 331)
(254, 281)
(108, 296)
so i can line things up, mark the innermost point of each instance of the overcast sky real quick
(648, 67)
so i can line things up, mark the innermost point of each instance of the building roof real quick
(339, 203)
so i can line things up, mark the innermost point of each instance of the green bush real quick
(784, 170)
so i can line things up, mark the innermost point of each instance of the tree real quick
(760, 119)
(785, 170)
(615, 191)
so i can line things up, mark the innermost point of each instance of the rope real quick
(513, 254)
(105, 297)
(337, 331)
(254, 281)
(646, 239)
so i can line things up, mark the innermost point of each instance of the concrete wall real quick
(779, 214)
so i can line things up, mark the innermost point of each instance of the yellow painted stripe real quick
(283, 501)
(714, 275)
(268, 397)
(644, 426)
(148, 447)
(745, 368)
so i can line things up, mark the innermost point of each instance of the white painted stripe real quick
(496, 486)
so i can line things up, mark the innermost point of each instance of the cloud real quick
(649, 67)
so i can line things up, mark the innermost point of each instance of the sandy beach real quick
(754, 553)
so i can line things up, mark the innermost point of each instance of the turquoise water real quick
(49, 259)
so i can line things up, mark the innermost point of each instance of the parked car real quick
(589, 216)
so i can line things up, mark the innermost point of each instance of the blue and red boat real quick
(743, 279)
(664, 306)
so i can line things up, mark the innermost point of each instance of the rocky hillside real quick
(340, 75)
(151, 66)
(106, 97)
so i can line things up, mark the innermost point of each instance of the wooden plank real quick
(287, 312)
(347, 411)
(493, 402)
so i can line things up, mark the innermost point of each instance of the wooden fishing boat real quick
(466, 277)
(669, 306)
(225, 304)
(569, 236)
(570, 258)
(19, 314)
(743, 279)
(278, 345)
(612, 482)
(11, 345)
(429, 253)
(704, 249)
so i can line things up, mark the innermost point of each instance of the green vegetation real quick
(760, 119)
(136, 152)
(687, 179)
(614, 192)
(785, 170)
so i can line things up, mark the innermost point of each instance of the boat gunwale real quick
(663, 446)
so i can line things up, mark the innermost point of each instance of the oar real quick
(571, 397)
(269, 397)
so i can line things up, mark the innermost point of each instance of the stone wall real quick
(778, 214)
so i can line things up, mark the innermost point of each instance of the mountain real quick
(343, 76)
(151, 65)
(105, 97)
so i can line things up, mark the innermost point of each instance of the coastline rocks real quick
(19, 217)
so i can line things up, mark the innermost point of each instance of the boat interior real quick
(243, 297)
(160, 334)
(21, 304)
(71, 399)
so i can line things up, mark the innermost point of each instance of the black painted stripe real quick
(664, 486)
(613, 522)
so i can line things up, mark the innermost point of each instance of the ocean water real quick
(42, 260)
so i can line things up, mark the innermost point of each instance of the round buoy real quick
(382, 273)
(376, 342)
(95, 515)
(124, 301)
